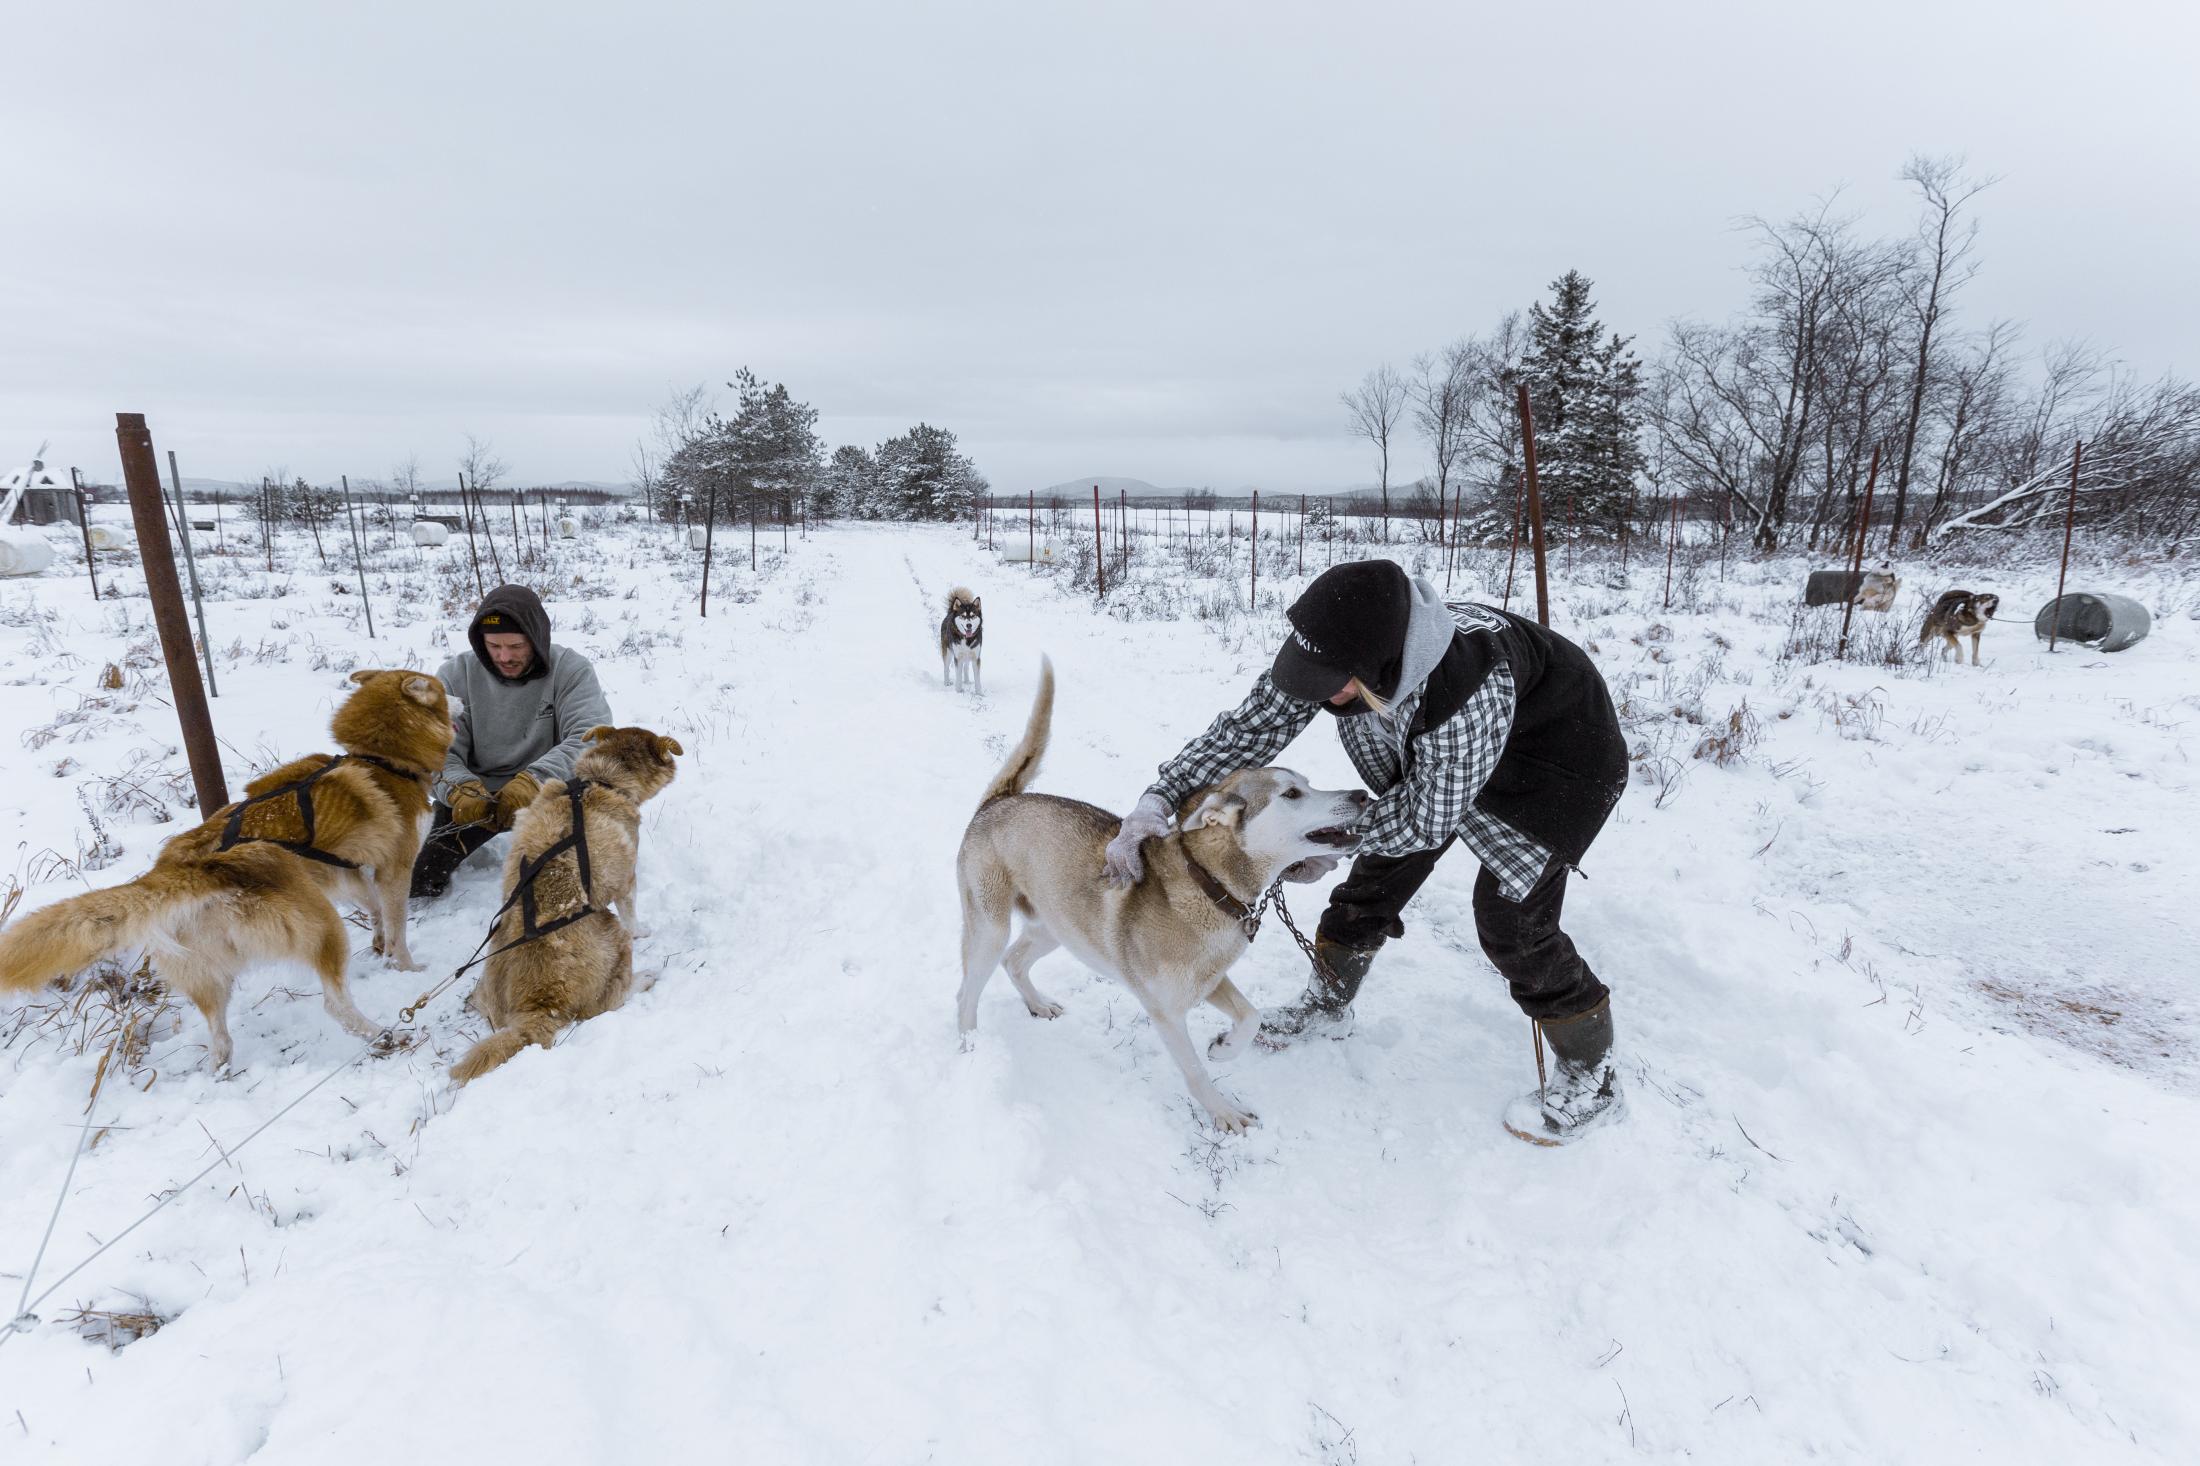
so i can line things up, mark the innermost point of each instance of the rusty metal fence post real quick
(141, 475)
(1535, 509)
(1252, 597)
(710, 524)
(1099, 547)
(1856, 564)
(1672, 543)
(2070, 522)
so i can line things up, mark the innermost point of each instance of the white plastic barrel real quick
(428, 532)
(23, 554)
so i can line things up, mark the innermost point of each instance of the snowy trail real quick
(770, 1212)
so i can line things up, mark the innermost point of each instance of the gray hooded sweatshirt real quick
(532, 723)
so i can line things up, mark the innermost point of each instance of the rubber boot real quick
(1582, 1092)
(444, 850)
(1324, 1010)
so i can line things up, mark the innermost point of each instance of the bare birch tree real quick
(1944, 266)
(1376, 407)
(1441, 398)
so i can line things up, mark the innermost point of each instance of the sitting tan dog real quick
(582, 962)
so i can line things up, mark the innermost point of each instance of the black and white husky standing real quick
(962, 642)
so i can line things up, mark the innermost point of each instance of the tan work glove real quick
(514, 797)
(470, 803)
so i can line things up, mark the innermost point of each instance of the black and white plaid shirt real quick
(1424, 794)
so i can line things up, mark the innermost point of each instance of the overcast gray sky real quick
(1142, 239)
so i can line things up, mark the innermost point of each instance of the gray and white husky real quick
(1172, 938)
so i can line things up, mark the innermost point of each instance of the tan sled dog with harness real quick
(560, 957)
(255, 882)
(1172, 938)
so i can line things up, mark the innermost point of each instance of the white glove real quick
(1148, 820)
(1311, 869)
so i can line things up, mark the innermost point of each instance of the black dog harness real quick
(523, 894)
(233, 833)
(530, 926)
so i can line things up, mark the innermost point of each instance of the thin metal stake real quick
(710, 524)
(358, 555)
(84, 522)
(191, 567)
(466, 510)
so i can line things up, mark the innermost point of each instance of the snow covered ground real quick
(1906, 991)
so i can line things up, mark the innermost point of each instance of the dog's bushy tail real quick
(1023, 760)
(501, 1047)
(71, 935)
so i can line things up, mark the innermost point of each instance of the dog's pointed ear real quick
(1218, 808)
(421, 689)
(669, 744)
(365, 675)
(598, 733)
(976, 602)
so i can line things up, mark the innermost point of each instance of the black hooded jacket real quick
(1565, 764)
(534, 723)
(513, 608)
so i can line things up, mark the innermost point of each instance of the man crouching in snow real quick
(1472, 726)
(528, 706)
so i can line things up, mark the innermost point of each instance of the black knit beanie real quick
(1351, 622)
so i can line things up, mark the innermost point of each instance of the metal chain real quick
(1321, 965)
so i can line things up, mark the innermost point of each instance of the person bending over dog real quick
(528, 707)
(1473, 727)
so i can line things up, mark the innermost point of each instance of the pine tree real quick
(773, 444)
(850, 488)
(921, 475)
(1585, 393)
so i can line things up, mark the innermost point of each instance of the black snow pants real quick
(447, 844)
(1523, 940)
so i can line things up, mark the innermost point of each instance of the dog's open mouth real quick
(1336, 836)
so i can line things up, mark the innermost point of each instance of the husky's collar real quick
(1247, 917)
(423, 776)
(955, 633)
